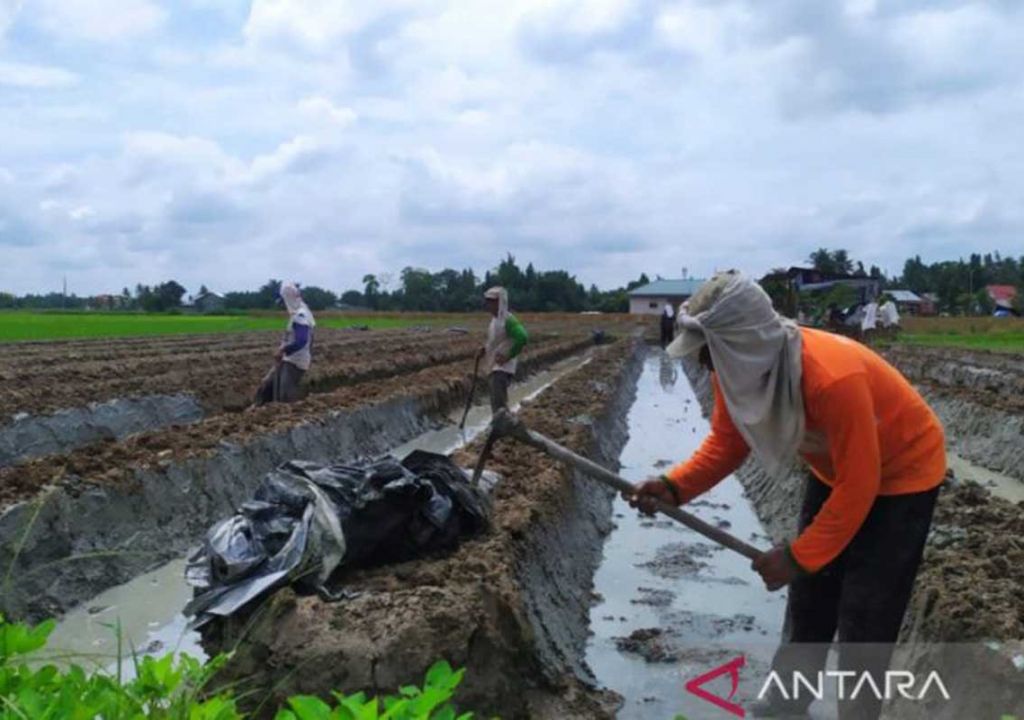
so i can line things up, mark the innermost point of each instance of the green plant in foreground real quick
(172, 687)
(412, 703)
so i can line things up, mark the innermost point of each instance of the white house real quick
(650, 299)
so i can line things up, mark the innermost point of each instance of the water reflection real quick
(668, 372)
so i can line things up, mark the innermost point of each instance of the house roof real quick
(904, 296)
(208, 294)
(1001, 292)
(667, 288)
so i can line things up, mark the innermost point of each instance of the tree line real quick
(959, 286)
(416, 289)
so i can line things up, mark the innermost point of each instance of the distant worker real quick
(889, 316)
(869, 321)
(668, 324)
(506, 338)
(292, 359)
(782, 391)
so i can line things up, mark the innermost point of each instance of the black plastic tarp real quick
(306, 521)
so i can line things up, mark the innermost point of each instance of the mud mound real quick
(512, 606)
(970, 583)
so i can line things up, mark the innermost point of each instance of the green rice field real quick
(1000, 334)
(26, 325)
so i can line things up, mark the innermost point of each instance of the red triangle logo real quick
(732, 668)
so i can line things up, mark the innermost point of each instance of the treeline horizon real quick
(959, 286)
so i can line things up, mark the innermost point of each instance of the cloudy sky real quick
(226, 141)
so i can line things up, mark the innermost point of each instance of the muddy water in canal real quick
(672, 605)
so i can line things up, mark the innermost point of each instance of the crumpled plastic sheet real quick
(306, 521)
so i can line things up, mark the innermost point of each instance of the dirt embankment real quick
(511, 606)
(979, 396)
(106, 513)
(114, 463)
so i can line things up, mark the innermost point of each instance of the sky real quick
(225, 142)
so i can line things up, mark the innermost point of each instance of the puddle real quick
(148, 607)
(1001, 485)
(673, 605)
(146, 611)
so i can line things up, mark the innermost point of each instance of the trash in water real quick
(305, 521)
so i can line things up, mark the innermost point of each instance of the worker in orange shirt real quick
(877, 455)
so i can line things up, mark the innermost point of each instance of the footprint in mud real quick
(654, 597)
(685, 622)
(686, 560)
(709, 504)
(661, 524)
(677, 560)
(675, 644)
(652, 644)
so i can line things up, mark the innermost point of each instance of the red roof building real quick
(1002, 295)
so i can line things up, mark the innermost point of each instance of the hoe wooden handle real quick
(610, 479)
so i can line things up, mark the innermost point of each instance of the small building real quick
(650, 299)
(208, 302)
(929, 304)
(910, 303)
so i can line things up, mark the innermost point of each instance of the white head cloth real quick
(757, 358)
(297, 307)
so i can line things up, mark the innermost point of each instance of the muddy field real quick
(80, 517)
(84, 512)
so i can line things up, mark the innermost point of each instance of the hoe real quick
(506, 425)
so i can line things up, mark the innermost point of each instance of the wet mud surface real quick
(672, 605)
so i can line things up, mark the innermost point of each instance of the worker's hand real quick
(500, 358)
(777, 568)
(646, 493)
(279, 354)
(481, 352)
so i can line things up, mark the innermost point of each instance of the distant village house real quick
(650, 299)
(208, 302)
(910, 303)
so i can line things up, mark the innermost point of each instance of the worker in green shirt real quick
(506, 338)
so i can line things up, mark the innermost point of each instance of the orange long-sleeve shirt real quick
(869, 433)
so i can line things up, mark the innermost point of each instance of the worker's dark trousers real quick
(500, 380)
(863, 594)
(667, 330)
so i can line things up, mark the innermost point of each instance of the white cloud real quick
(297, 155)
(21, 75)
(8, 12)
(699, 29)
(314, 24)
(608, 137)
(580, 17)
(99, 20)
(320, 108)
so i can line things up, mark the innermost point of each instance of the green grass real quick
(976, 333)
(25, 325)
(1005, 342)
